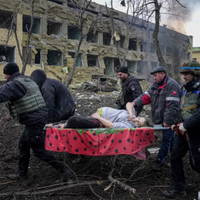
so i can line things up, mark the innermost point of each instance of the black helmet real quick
(191, 67)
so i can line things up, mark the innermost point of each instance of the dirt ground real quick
(91, 174)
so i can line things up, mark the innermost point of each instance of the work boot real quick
(17, 177)
(174, 193)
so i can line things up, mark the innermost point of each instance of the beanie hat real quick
(123, 69)
(10, 68)
(39, 77)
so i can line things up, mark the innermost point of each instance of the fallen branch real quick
(115, 181)
(122, 185)
(35, 192)
(6, 183)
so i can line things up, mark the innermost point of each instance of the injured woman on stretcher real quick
(106, 117)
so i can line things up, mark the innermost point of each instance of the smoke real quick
(180, 13)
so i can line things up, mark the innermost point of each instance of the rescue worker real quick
(59, 101)
(164, 96)
(25, 103)
(189, 126)
(131, 88)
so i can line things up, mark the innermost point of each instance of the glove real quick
(182, 128)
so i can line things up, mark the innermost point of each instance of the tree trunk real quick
(155, 35)
(69, 80)
(25, 59)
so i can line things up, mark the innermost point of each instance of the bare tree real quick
(13, 29)
(84, 26)
(146, 10)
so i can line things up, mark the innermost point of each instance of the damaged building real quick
(56, 34)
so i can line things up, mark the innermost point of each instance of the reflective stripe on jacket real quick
(164, 101)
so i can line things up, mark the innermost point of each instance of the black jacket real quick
(131, 89)
(193, 122)
(164, 99)
(57, 97)
(12, 90)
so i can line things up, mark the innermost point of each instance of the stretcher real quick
(99, 142)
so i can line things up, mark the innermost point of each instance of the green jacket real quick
(189, 101)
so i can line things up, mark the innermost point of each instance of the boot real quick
(174, 193)
(17, 177)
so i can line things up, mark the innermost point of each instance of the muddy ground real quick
(92, 173)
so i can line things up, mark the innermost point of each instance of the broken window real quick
(78, 61)
(38, 56)
(152, 48)
(26, 52)
(194, 59)
(56, 1)
(106, 38)
(131, 66)
(5, 19)
(74, 33)
(7, 54)
(92, 61)
(92, 37)
(54, 58)
(108, 65)
(132, 44)
(54, 28)
(116, 64)
(27, 23)
(122, 41)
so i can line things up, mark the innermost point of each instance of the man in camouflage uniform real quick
(188, 136)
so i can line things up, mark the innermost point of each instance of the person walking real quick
(188, 134)
(59, 101)
(26, 103)
(164, 97)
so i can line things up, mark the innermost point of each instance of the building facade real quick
(196, 54)
(56, 35)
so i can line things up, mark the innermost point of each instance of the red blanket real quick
(99, 142)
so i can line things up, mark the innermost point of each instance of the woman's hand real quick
(95, 115)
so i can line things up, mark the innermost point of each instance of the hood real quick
(39, 77)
